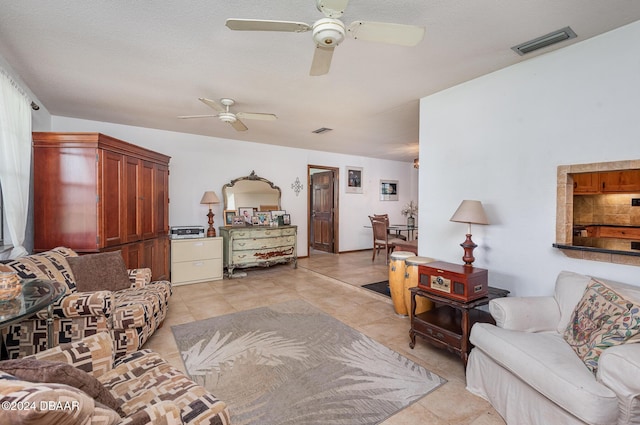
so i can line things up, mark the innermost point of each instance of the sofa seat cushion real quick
(144, 307)
(548, 364)
(143, 378)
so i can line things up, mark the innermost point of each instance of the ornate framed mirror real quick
(251, 191)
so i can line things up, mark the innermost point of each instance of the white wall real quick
(500, 138)
(200, 163)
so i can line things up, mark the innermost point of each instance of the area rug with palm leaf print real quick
(291, 363)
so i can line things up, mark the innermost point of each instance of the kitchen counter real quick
(596, 250)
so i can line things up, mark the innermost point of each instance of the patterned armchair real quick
(130, 315)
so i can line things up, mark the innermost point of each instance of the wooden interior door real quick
(322, 211)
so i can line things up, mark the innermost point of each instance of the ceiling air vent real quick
(322, 130)
(563, 34)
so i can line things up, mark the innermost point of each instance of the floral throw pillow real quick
(602, 319)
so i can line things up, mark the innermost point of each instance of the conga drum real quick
(411, 280)
(396, 280)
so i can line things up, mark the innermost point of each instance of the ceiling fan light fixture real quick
(546, 40)
(227, 117)
(328, 32)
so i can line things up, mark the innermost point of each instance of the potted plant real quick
(410, 210)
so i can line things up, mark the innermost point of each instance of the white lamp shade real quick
(470, 212)
(210, 197)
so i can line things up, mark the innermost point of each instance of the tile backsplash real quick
(612, 209)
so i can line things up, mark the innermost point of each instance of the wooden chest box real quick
(455, 281)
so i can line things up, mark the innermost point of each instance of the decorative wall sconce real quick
(416, 163)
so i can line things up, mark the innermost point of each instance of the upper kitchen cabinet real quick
(96, 193)
(585, 183)
(623, 181)
(620, 181)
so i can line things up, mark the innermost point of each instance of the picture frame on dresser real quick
(277, 213)
(263, 218)
(228, 216)
(246, 213)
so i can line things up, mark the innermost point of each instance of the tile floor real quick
(331, 283)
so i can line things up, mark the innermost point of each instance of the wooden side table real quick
(449, 323)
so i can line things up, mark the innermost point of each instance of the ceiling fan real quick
(329, 31)
(225, 115)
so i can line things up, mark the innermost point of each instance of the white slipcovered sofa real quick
(526, 368)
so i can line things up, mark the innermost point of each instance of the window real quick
(1, 219)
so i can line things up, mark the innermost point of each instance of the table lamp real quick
(210, 198)
(469, 212)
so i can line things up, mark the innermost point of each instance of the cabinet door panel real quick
(586, 183)
(132, 196)
(160, 267)
(620, 181)
(147, 199)
(78, 198)
(161, 199)
(112, 199)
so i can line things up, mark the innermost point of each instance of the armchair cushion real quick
(602, 319)
(93, 354)
(102, 271)
(530, 314)
(45, 371)
(547, 364)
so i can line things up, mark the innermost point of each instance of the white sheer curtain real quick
(15, 158)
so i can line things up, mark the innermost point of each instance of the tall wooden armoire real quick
(95, 193)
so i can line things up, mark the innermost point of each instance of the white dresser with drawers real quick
(196, 260)
(253, 246)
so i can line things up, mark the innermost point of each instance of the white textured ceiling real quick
(144, 62)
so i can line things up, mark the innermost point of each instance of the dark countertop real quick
(592, 249)
(628, 226)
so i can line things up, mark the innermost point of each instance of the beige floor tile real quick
(332, 283)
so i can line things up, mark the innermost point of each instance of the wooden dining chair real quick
(381, 238)
(396, 234)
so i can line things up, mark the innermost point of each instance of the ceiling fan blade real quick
(239, 125)
(183, 117)
(321, 60)
(256, 116)
(382, 32)
(266, 25)
(213, 104)
(332, 8)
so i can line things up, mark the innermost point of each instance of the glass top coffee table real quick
(36, 295)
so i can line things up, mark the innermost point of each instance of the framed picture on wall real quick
(388, 190)
(354, 179)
